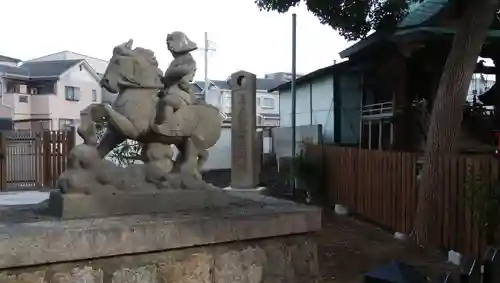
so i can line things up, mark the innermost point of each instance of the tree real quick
(126, 153)
(355, 18)
(447, 111)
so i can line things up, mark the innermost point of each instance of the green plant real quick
(307, 173)
(484, 201)
(126, 153)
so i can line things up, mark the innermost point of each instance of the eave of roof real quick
(342, 66)
(45, 70)
(9, 59)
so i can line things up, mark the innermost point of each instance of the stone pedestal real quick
(81, 206)
(262, 240)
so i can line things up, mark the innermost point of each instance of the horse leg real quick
(189, 161)
(130, 129)
(110, 140)
(86, 130)
(202, 158)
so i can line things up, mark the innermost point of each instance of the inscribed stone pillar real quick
(243, 130)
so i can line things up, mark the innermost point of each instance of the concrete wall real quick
(220, 153)
(318, 96)
(282, 138)
(246, 238)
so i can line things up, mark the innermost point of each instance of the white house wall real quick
(321, 91)
(220, 153)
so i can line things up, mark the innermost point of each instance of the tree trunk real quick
(447, 112)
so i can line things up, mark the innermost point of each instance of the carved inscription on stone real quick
(243, 129)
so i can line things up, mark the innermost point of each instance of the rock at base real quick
(78, 206)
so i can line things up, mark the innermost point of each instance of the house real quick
(219, 94)
(329, 97)
(381, 97)
(97, 64)
(281, 76)
(46, 94)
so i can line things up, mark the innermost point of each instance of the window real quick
(72, 93)
(267, 102)
(94, 95)
(23, 98)
(13, 87)
(226, 100)
(65, 124)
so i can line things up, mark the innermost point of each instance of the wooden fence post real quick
(491, 272)
(3, 161)
(470, 272)
(71, 139)
(47, 156)
(443, 278)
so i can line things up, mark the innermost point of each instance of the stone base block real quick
(76, 206)
(270, 242)
(454, 257)
(341, 210)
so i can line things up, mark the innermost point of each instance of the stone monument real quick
(244, 173)
(157, 221)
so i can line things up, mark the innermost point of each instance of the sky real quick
(244, 37)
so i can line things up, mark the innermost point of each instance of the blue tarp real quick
(394, 272)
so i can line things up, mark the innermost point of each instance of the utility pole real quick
(294, 93)
(206, 49)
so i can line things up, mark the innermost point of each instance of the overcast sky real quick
(245, 38)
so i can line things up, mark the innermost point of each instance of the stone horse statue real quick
(134, 75)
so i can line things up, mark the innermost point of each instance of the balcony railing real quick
(377, 110)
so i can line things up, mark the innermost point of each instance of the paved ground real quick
(22, 198)
(348, 248)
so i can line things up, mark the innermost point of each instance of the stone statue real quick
(177, 81)
(157, 112)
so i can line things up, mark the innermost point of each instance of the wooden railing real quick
(377, 110)
(382, 186)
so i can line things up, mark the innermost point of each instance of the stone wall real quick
(282, 259)
(237, 237)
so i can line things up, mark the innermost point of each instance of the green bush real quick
(308, 174)
(126, 153)
(485, 205)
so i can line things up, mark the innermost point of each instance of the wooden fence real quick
(382, 186)
(33, 160)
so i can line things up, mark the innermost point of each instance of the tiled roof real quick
(49, 68)
(421, 11)
(37, 70)
(9, 59)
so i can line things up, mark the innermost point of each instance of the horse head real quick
(131, 68)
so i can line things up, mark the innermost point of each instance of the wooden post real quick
(470, 272)
(46, 156)
(3, 161)
(491, 272)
